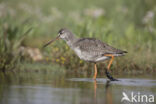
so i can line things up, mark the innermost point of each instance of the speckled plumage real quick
(90, 49)
(95, 49)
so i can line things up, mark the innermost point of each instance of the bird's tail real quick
(121, 53)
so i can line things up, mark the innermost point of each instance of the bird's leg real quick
(108, 67)
(95, 71)
(110, 62)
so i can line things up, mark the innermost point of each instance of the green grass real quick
(125, 24)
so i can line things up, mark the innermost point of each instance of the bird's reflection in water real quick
(108, 93)
(95, 87)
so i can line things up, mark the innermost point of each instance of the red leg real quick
(108, 67)
(110, 62)
(95, 71)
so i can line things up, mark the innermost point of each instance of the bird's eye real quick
(61, 32)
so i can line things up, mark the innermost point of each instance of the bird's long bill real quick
(51, 41)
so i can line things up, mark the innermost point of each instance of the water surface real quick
(36, 88)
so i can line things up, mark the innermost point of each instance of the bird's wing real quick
(96, 47)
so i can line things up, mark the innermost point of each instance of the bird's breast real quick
(78, 52)
(82, 55)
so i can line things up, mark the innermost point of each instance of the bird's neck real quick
(71, 40)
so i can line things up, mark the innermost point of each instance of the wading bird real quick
(90, 49)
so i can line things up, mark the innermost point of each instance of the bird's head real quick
(63, 33)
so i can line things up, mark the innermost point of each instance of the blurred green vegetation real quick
(125, 24)
(12, 36)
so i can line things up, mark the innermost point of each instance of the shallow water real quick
(35, 88)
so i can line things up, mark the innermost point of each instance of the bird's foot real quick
(110, 77)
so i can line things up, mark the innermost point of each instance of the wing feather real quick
(96, 47)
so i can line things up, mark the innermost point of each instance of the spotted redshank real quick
(90, 49)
